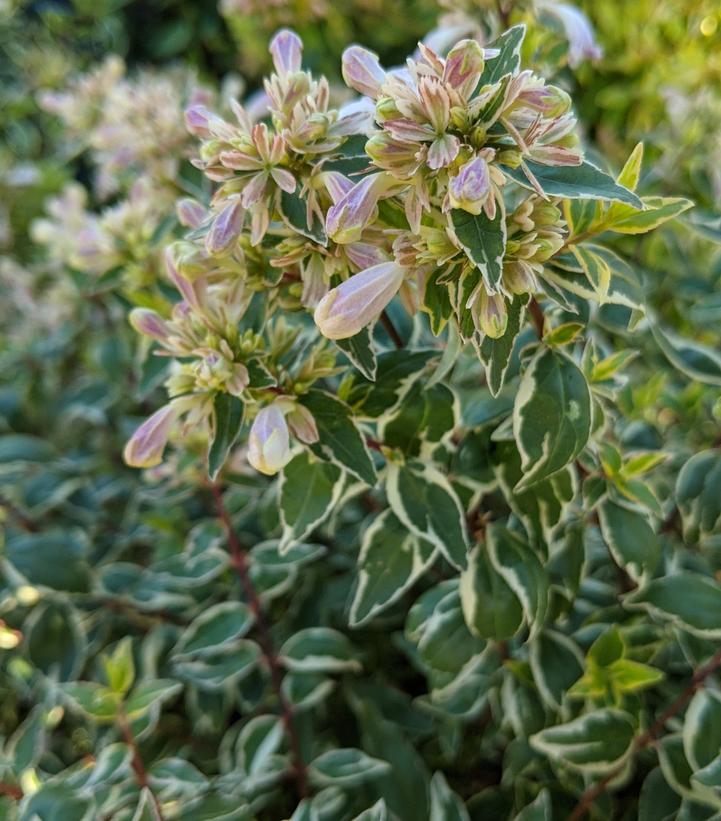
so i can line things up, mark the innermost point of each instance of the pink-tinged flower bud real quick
(464, 66)
(269, 441)
(302, 425)
(145, 447)
(198, 119)
(149, 323)
(355, 210)
(225, 229)
(286, 48)
(358, 301)
(190, 212)
(362, 71)
(471, 187)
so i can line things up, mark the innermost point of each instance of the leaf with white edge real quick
(632, 541)
(688, 600)
(306, 690)
(697, 361)
(176, 778)
(309, 492)
(378, 812)
(496, 353)
(295, 214)
(390, 561)
(552, 416)
(702, 729)
(215, 627)
(146, 809)
(556, 663)
(95, 700)
(359, 349)
(319, 650)
(259, 739)
(595, 267)
(508, 61)
(346, 767)
(539, 810)
(445, 804)
(698, 495)
(484, 242)
(228, 412)
(522, 571)
(594, 743)
(227, 664)
(573, 182)
(491, 609)
(427, 416)
(340, 441)
(623, 219)
(424, 501)
(149, 693)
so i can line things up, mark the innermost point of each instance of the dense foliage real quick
(360, 447)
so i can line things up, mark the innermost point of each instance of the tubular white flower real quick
(269, 441)
(358, 301)
(145, 447)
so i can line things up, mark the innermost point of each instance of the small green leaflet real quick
(340, 440)
(226, 665)
(345, 767)
(294, 212)
(691, 358)
(228, 412)
(574, 182)
(359, 349)
(214, 627)
(698, 495)
(630, 538)
(593, 743)
(596, 269)
(688, 600)
(551, 416)
(423, 499)
(623, 219)
(391, 559)
(490, 608)
(539, 810)
(309, 492)
(319, 650)
(556, 663)
(445, 804)
(509, 60)
(496, 353)
(484, 242)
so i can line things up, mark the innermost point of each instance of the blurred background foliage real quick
(93, 551)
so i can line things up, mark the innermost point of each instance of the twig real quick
(242, 567)
(390, 329)
(647, 738)
(18, 516)
(136, 762)
(11, 791)
(536, 312)
(504, 13)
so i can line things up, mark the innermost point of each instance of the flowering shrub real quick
(419, 513)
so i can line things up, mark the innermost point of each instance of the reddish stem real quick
(136, 762)
(241, 564)
(390, 328)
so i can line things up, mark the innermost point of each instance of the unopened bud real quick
(286, 49)
(491, 315)
(362, 71)
(355, 303)
(269, 441)
(471, 187)
(190, 212)
(354, 211)
(225, 229)
(145, 447)
(464, 66)
(149, 323)
(302, 424)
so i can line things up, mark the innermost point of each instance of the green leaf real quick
(319, 650)
(309, 491)
(216, 670)
(509, 60)
(697, 361)
(623, 219)
(426, 417)
(594, 743)
(698, 495)
(484, 242)
(346, 767)
(359, 349)
(496, 353)
(56, 559)
(97, 701)
(688, 600)
(424, 501)
(260, 739)
(522, 571)
(146, 809)
(491, 609)
(340, 440)
(574, 182)
(630, 538)
(445, 804)
(120, 667)
(551, 416)
(294, 212)
(539, 810)
(629, 676)
(595, 267)
(149, 693)
(215, 627)
(228, 412)
(391, 559)
(16, 447)
(556, 664)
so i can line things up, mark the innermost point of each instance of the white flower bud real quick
(269, 441)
